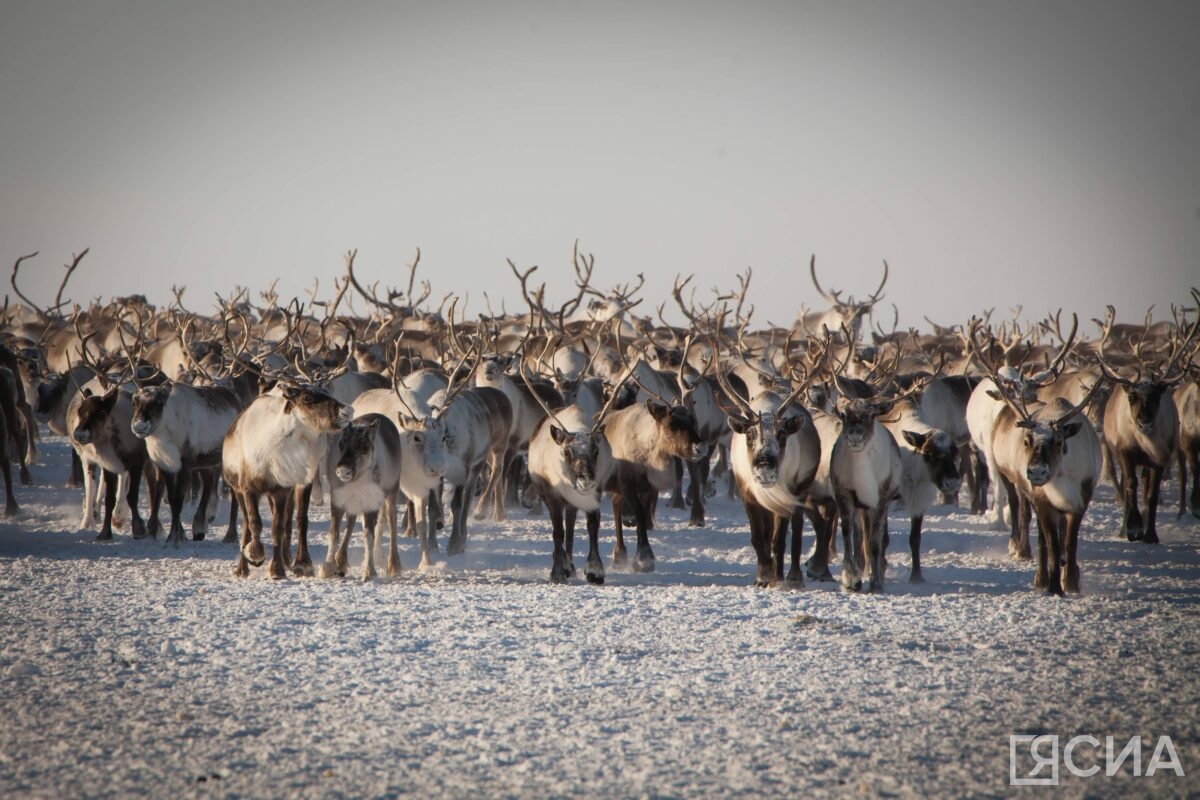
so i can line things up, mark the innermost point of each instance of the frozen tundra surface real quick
(133, 669)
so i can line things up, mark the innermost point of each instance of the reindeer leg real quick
(779, 530)
(697, 478)
(1153, 485)
(914, 546)
(153, 497)
(595, 564)
(231, 531)
(176, 486)
(10, 501)
(676, 500)
(795, 574)
(200, 520)
(824, 527)
(851, 574)
(424, 532)
(370, 532)
(1131, 524)
(393, 561)
(136, 527)
(252, 537)
(110, 502)
(559, 571)
(329, 567)
(756, 517)
(569, 545)
(1181, 460)
(644, 560)
(342, 559)
(302, 566)
(1194, 458)
(1071, 523)
(619, 555)
(279, 500)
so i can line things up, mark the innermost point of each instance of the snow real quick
(130, 668)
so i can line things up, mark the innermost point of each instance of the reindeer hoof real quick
(254, 554)
(619, 556)
(302, 569)
(595, 578)
(916, 577)
(104, 536)
(558, 576)
(230, 537)
(241, 569)
(1150, 537)
(328, 570)
(643, 563)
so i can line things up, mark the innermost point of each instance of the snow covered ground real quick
(133, 669)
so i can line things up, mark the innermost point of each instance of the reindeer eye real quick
(418, 438)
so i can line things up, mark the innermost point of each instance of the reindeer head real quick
(937, 449)
(49, 393)
(580, 454)
(858, 419)
(148, 404)
(766, 440)
(316, 408)
(426, 437)
(355, 446)
(1044, 444)
(677, 430)
(92, 416)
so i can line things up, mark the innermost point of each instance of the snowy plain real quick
(134, 669)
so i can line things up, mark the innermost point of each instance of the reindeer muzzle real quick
(82, 435)
(1038, 475)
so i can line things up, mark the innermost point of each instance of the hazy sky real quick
(1003, 153)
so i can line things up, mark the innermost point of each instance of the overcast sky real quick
(1003, 153)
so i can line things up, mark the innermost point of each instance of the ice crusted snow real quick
(130, 668)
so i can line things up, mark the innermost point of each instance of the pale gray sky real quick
(1002, 153)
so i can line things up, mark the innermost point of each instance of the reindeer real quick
(866, 471)
(844, 312)
(929, 465)
(1187, 402)
(8, 435)
(364, 474)
(1141, 429)
(101, 436)
(1049, 460)
(984, 406)
(774, 455)
(645, 438)
(273, 448)
(184, 427)
(570, 461)
(54, 395)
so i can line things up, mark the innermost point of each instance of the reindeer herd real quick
(453, 419)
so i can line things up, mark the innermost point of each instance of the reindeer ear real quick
(291, 392)
(1070, 429)
(790, 425)
(373, 426)
(110, 397)
(600, 429)
(738, 424)
(658, 410)
(917, 440)
(87, 392)
(288, 406)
